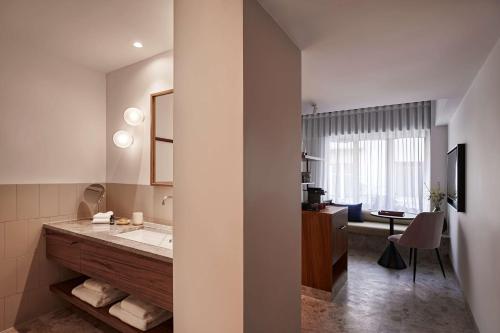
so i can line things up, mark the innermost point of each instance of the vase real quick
(437, 208)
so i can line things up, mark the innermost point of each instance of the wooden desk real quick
(324, 247)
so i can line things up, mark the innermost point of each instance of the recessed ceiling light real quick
(137, 44)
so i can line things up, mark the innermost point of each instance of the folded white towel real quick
(106, 215)
(140, 308)
(100, 221)
(96, 299)
(141, 324)
(97, 286)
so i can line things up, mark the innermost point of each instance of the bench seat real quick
(374, 228)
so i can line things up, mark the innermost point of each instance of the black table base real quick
(391, 258)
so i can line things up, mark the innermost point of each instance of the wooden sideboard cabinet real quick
(324, 247)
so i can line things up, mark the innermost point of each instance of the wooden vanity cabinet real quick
(130, 272)
(136, 274)
(324, 247)
(63, 249)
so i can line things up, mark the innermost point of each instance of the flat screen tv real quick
(456, 178)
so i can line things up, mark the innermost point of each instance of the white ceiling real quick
(97, 34)
(359, 53)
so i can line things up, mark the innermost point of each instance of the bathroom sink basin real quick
(151, 237)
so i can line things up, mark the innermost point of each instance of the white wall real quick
(208, 166)
(438, 151)
(272, 128)
(237, 192)
(126, 87)
(53, 119)
(474, 234)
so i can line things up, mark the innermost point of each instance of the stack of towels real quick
(102, 217)
(97, 293)
(139, 314)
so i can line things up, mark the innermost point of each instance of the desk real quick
(391, 257)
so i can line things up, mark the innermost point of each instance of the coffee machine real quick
(313, 198)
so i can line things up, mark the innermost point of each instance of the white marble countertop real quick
(106, 234)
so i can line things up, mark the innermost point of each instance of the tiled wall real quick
(123, 199)
(25, 273)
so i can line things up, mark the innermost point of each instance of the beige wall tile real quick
(121, 199)
(35, 228)
(2, 241)
(28, 201)
(143, 201)
(49, 200)
(2, 315)
(63, 218)
(163, 212)
(16, 238)
(28, 273)
(124, 199)
(49, 271)
(13, 309)
(7, 277)
(7, 202)
(67, 199)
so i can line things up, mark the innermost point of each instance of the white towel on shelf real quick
(97, 299)
(140, 308)
(141, 324)
(96, 285)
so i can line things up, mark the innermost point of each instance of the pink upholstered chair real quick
(423, 233)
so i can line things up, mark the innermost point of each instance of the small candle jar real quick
(137, 218)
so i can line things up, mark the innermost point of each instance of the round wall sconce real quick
(123, 139)
(133, 116)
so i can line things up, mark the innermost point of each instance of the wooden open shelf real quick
(63, 290)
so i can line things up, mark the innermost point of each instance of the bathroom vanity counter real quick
(100, 251)
(107, 235)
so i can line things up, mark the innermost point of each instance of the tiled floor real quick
(63, 321)
(374, 299)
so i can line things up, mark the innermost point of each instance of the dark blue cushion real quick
(354, 213)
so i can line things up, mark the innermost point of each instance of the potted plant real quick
(436, 197)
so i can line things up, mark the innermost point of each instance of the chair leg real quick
(440, 262)
(414, 264)
(411, 254)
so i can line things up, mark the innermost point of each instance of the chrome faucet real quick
(165, 199)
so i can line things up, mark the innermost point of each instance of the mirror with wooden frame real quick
(162, 138)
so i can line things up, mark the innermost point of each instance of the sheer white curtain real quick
(383, 168)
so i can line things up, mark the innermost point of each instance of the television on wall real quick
(456, 178)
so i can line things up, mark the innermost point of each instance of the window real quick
(382, 170)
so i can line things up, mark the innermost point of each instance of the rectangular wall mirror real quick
(162, 138)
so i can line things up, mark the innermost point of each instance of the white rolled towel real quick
(141, 324)
(97, 286)
(95, 298)
(140, 308)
